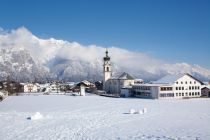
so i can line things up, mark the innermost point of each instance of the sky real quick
(171, 30)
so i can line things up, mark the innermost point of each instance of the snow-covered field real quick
(95, 117)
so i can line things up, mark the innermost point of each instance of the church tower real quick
(107, 69)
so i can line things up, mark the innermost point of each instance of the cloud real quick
(44, 50)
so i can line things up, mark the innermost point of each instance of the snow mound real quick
(143, 111)
(36, 116)
(139, 112)
(132, 111)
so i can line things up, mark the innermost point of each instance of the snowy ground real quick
(95, 117)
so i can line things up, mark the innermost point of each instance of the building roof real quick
(151, 85)
(126, 76)
(170, 79)
(123, 76)
(106, 58)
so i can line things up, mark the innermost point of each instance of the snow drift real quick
(36, 116)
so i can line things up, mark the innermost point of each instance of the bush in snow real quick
(36, 116)
(132, 111)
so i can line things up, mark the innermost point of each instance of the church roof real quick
(123, 76)
(106, 58)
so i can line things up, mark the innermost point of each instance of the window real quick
(198, 93)
(169, 88)
(107, 68)
(190, 82)
(176, 82)
(192, 87)
(181, 82)
(198, 87)
(182, 94)
(182, 88)
(166, 88)
(186, 94)
(195, 93)
(194, 82)
(185, 82)
(166, 95)
(176, 94)
(190, 94)
(179, 94)
(189, 87)
(176, 88)
(179, 88)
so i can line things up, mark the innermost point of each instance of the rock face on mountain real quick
(18, 65)
(25, 57)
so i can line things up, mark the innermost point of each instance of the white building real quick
(107, 73)
(171, 86)
(31, 87)
(3, 95)
(113, 85)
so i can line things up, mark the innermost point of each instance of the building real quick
(205, 90)
(54, 87)
(107, 73)
(3, 95)
(113, 85)
(171, 86)
(31, 87)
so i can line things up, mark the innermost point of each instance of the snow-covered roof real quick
(123, 76)
(206, 86)
(44, 85)
(170, 79)
(139, 80)
(151, 85)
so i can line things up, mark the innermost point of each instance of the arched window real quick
(107, 68)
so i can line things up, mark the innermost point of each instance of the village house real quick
(171, 86)
(3, 95)
(55, 87)
(31, 87)
(205, 90)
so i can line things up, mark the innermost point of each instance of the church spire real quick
(106, 58)
(107, 72)
(107, 52)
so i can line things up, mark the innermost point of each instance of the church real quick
(114, 85)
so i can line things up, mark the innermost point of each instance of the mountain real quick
(25, 57)
(18, 65)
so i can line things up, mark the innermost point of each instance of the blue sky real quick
(172, 30)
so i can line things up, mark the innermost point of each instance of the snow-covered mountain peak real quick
(73, 61)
